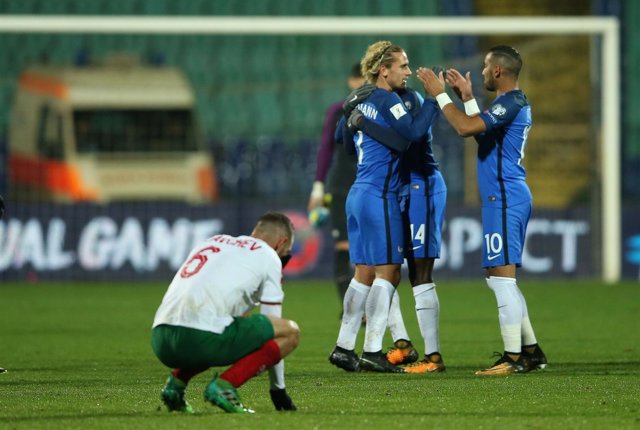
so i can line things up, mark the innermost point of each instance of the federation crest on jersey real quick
(397, 110)
(498, 110)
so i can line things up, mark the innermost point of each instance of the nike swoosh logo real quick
(354, 99)
(493, 257)
(417, 247)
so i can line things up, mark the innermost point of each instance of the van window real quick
(134, 131)
(50, 134)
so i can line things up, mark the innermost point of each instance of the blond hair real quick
(377, 55)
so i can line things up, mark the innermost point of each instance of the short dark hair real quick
(272, 221)
(508, 57)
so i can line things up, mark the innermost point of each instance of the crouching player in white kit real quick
(199, 323)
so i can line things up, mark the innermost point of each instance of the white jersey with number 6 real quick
(222, 278)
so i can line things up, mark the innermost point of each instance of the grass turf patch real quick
(79, 356)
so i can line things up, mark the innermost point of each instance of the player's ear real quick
(282, 244)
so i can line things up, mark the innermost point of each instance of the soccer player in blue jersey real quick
(423, 198)
(501, 133)
(374, 217)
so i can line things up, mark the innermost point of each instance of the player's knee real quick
(364, 274)
(421, 278)
(423, 272)
(396, 279)
(293, 335)
(393, 277)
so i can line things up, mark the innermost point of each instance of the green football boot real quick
(224, 395)
(172, 396)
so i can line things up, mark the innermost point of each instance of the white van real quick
(105, 133)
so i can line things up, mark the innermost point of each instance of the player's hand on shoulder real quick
(355, 120)
(281, 400)
(356, 97)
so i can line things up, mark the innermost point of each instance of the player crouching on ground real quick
(199, 323)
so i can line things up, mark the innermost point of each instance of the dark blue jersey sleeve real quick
(503, 110)
(409, 127)
(387, 136)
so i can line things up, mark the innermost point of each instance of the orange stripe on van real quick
(44, 85)
(57, 178)
(208, 183)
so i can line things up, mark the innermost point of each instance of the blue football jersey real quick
(378, 165)
(418, 163)
(501, 176)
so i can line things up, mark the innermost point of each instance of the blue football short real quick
(374, 227)
(503, 232)
(425, 221)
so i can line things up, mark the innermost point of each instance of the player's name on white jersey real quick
(368, 111)
(244, 243)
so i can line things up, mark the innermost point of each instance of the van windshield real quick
(134, 130)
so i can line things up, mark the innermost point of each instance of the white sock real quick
(353, 309)
(377, 309)
(428, 311)
(528, 336)
(396, 323)
(509, 311)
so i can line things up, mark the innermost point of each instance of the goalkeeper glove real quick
(355, 120)
(356, 97)
(281, 400)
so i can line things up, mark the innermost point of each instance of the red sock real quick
(185, 375)
(251, 365)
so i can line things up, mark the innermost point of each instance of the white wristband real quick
(471, 107)
(317, 192)
(443, 99)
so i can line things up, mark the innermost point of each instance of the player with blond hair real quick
(423, 199)
(374, 216)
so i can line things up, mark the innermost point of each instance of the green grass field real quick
(79, 358)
